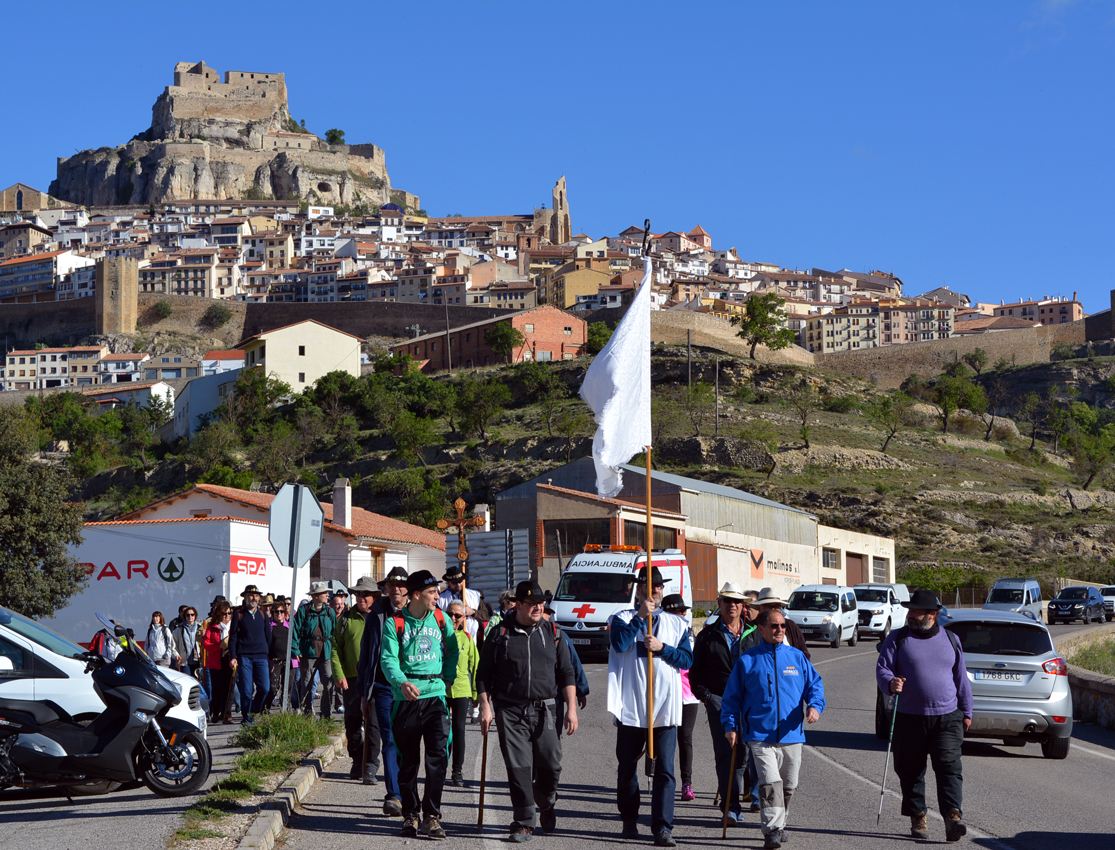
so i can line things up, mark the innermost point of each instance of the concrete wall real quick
(1093, 694)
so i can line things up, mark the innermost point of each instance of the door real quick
(855, 567)
(703, 571)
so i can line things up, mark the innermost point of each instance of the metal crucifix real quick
(461, 525)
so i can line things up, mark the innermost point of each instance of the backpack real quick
(439, 615)
(97, 644)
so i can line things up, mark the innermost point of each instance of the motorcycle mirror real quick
(120, 631)
(6, 664)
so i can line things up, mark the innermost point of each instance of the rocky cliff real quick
(235, 139)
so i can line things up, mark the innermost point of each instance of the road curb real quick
(273, 815)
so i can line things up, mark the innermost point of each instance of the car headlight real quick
(1078, 605)
(826, 621)
(877, 611)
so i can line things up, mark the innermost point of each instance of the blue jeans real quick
(252, 670)
(381, 696)
(630, 741)
(722, 752)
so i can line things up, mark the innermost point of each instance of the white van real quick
(825, 612)
(880, 608)
(600, 582)
(1021, 595)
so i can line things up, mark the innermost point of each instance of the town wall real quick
(115, 297)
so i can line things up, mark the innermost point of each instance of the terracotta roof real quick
(993, 323)
(364, 523)
(223, 355)
(121, 388)
(178, 519)
(32, 257)
(134, 355)
(618, 502)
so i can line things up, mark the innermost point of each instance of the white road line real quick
(1091, 752)
(842, 657)
(972, 831)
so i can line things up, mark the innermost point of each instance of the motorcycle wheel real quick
(184, 777)
(93, 789)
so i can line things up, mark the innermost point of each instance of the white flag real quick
(617, 390)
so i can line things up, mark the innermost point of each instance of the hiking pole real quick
(483, 779)
(728, 791)
(886, 764)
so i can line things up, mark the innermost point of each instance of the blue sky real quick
(966, 144)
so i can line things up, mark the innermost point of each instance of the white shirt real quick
(472, 598)
(627, 676)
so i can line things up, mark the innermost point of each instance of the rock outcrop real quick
(235, 139)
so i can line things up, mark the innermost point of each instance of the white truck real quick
(600, 582)
(138, 567)
(880, 608)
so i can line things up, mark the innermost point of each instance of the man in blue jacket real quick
(762, 706)
(249, 637)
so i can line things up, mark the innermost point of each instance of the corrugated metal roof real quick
(714, 489)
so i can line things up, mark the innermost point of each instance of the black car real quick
(1077, 603)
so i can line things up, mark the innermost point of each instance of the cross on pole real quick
(461, 525)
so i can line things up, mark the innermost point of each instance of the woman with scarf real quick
(217, 662)
(186, 642)
(160, 644)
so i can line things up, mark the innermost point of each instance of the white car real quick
(1108, 594)
(47, 666)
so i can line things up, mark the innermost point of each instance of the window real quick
(301, 351)
(301, 377)
(830, 559)
(529, 328)
(567, 331)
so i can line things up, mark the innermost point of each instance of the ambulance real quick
(600, 582)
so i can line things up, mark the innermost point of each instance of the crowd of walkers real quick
(410, 664)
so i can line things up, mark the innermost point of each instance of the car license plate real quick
(998, 676)
(580, 641)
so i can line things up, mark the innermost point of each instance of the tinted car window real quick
(1001, 638)
(1005, 595)
(1108, 591)
(871, 595)
(1073, 593)
(813, 601)
(595, 587)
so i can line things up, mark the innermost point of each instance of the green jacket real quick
(424, 650)
(468, 660)
(346, 645)
(306, 622)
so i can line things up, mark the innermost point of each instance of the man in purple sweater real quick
(924, 665)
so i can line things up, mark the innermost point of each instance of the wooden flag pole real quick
(650, 618)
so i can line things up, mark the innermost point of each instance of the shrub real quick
(164, 309)
(1062, 351)
(218, 315)
(963, 423)
(840, 403)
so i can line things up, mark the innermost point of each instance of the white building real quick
(123, 368)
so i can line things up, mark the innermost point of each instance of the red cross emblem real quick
(584, 611)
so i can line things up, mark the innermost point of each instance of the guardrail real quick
(1093, 694)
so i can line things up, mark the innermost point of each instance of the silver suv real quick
(1020, 685)
(1108, 594)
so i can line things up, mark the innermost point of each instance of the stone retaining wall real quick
(1093, 694)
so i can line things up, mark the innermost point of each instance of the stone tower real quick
(560, 229)
(117, 295)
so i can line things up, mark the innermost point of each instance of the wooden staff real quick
(483, 779)
(728, 792)
(650, 619)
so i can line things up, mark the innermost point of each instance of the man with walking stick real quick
(924, 663)
(763, 706)
(524, 666)
(668, 639)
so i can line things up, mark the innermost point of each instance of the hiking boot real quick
(734, 818)
(520, 834)
(755, 805)
(782, 835)
(773, 840)
(370, 776)
(687, 794)
(630, 829)
(955, 828)
(664, 838)
(431, 825)
(354, 771)
(919, 826)
(547, 819)
(458, 779)
(392, 807)
(410, 827)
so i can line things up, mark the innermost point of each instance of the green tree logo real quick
(172, 568)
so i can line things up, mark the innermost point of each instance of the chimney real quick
(342, 503)
(483, 512)
(1074, 295)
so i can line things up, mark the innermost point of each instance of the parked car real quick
(1016, 594)
(825, 612)
(880, 608)
(1108, 594)
(1077, 603)
(1020, 686)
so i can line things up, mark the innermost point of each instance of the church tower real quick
(560, 228)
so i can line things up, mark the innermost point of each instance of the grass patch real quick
(274, 744)
(1099, 657)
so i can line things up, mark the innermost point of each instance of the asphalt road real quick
(1013, 797)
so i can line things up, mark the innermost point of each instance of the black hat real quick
(925, 600)
(340, 591)
(251, 588)
(397, 574)
(420, 581)
(453, 573)
(216, 599)
(656, 579)
(529, 591)
(674, 602)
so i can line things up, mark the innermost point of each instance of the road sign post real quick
(296, 527)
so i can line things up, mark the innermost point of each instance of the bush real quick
(164, 309)
(1062, 351)
(840, 403)
(964, 423)
(218, 315)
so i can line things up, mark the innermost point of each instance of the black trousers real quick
(939, 738)
(685, 740)
(357, 726)
(423, 721)
(531, 747)
(459, 709)
(306, 669)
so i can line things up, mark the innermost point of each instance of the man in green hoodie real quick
(313, 640)
(419, 659)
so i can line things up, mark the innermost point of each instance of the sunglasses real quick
(457, 616)
(364, 594)
(777, 627)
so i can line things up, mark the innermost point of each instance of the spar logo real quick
(247, 565)
(171, 568)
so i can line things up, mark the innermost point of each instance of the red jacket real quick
(211, 646)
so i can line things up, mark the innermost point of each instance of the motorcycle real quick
(133, 738)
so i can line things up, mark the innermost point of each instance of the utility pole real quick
(689, 358)
(717, 361)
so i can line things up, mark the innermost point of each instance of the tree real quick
(164, 309)
(413, 435)
(1034, 411)
(1059, 419)
(598, 335)
(666, 414)
(952, 393)
(335, 136)
(571, 422)
(274, 451)
(503, 339)
(890, 412)
(976, 359)
(760, 435)
(309, 424)
(137, 432)
(480, 403)
(543, 383)
(763, 322)
(252, 398)
(211, 446)
(218, 315)
(699, 404)
(1092, 452)
(998, 394)
(804, 400)
(38, 523)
